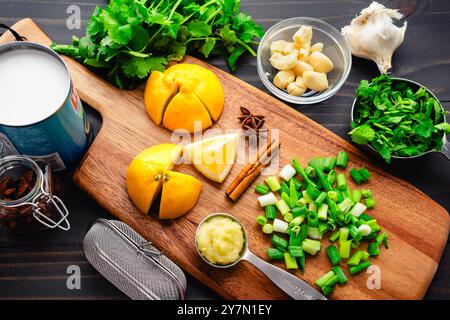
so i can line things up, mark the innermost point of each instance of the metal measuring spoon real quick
(446, 145)
(290, 284)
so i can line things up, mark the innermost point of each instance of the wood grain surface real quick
(34, 265)
(407, 267)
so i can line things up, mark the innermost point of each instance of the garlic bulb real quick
(372, 35)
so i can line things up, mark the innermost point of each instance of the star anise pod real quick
(250, 120)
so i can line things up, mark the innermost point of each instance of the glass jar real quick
(26, 199)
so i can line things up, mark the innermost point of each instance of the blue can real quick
(41, 115)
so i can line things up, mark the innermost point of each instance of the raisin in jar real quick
(26, 200)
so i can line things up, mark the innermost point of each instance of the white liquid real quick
(33, 85)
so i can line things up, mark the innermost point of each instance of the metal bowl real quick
(446, 145)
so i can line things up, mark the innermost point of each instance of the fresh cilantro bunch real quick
(397, 119)
(128, 39)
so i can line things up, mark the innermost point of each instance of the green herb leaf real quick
(362, 134)
(141, 67)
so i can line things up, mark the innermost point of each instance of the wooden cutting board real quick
(417, 226)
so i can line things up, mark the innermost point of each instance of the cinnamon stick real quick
(252, 170)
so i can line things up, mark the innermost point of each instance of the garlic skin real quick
(372, 35)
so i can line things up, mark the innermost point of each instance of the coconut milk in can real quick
(41, 115)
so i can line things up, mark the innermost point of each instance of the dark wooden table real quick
(34, 266)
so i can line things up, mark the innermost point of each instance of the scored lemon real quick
(149, 174)
(183, 95)
(213, 157)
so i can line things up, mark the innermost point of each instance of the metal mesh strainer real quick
(131, 263)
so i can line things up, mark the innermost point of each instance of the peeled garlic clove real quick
(277, 46)
(320, 62)
(301, 67)
(283, 78)
(289, 48)
(316, 81)
(303, 54)
(317, 47)
(302, 38)
(372, 35)
(294, 89)
(299, 81)
(282, 62)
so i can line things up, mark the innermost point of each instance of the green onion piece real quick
(313, 219)
(331, 177)
(262, 220)
(341, 182)
(278, 241)
(323, 180)
(333, 255)
(323, 227)
(290, 261)
(340, 273)
(314, 233)
(364, 173)
(267, 228)
(293, 196)
(321, 198)
(332, 195)
(331, 282)
(273, 183)
(364, 256)
(381, 238)
(348, 193)
(354, 244)
(325, 278)
(317, 162)
(312, 191)
(373, 225)
(344, 249)
(327, 290)
(271, 212)
(356, 176)
(299, 211)
(310, 172)
(311, 246)
(301, 171)
(297, 183)
(355, 258)
(288, 217)
(296, 221)
(370, 203)
(295, 239)
(306, 197)
(346, 205)
(366, 193)
(312, 207)
(374, 249)
(282, 207)
(303, 232)
(335, 236)
(262, 189)
(284, 187)
(322, 213)
(365, 217)
(355, 233)
(301, 262)
(330, 163)
(296, 251)
(274, 254)
(360, 267)
(285, 197)
(342, 159)
(357, 195)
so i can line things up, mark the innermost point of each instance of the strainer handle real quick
(292, 285)
(446, 149)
